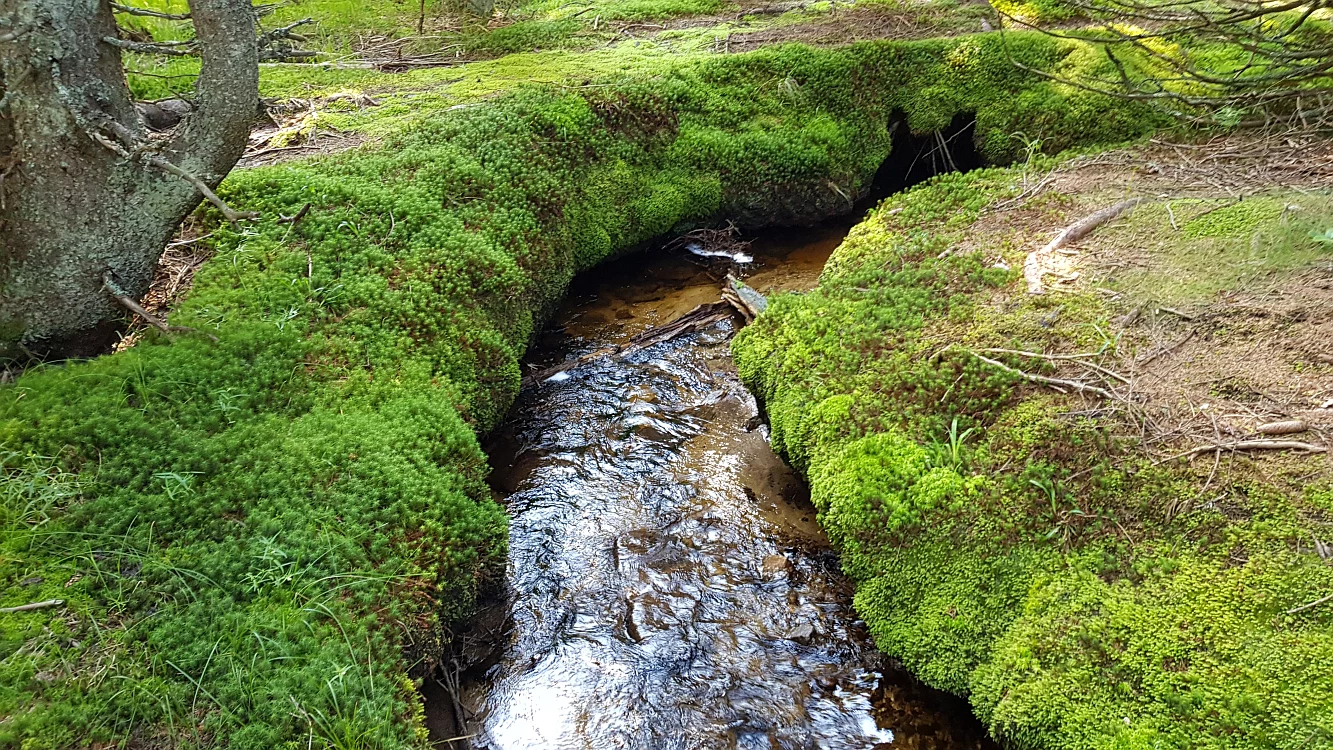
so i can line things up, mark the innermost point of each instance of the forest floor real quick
(1223, 308)
(1104, 511)
(188, 502)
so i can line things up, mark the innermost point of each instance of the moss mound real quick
(1011, 550)
(259, 538)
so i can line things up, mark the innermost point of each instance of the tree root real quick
(1034, 268)
(128, 303)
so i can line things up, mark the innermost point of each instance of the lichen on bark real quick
(81, 197)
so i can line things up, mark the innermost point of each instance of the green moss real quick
(258, 537)
(1239, 219)
(1054, 586)
(528, 35)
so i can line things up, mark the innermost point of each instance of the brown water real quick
(669, 586)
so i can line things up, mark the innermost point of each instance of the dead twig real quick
(34, 605)
(1311, 605)
(1161, 352)
(230, 213)
(1247, 445)
(136, 11)
(1079, 359)
(1057, 383)
(128, 303)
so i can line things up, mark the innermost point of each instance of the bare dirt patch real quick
(1221, 345)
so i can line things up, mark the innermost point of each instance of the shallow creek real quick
(669, 586)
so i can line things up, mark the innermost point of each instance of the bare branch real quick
(231, 214)
(173, 49)
(1287, 56)
(273, 44)
(135, 11)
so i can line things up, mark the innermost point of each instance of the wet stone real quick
(777, 564)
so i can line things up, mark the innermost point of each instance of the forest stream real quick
(669, 586)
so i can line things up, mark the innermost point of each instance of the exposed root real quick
(1034, 268)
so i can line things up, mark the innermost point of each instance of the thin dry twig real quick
(128, 302)
(1247, 445)
(1311, 605)
(1079, 359)
(34, 605)
(1055, 382)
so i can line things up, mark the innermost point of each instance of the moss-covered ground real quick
(1047, 552)
(259, 533)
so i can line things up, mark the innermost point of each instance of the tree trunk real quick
(78, 204)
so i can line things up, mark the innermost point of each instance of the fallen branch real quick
(136, 11)
(1057, 383)
(747, 301)
(1311, 605)
(1288, 427)
(1247, 445)
(1076, 358)
(1033, 268)
(171, 49)
(34, 605)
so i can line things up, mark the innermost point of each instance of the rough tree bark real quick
(87, 196)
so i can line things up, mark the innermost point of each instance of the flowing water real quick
(668, 584)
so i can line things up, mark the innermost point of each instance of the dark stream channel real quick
(668, 584)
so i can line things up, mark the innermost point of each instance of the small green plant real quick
(951, 453)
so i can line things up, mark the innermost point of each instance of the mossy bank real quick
(1022, 546)
(260, 531)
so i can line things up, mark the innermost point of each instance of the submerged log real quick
(699, 317)
(736, 297)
